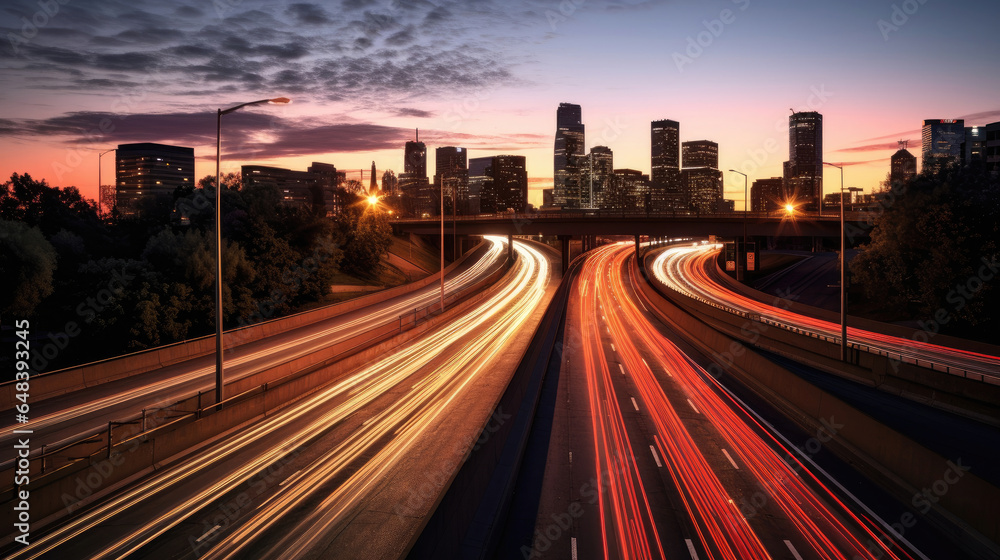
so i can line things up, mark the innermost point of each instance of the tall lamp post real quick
(218, 235)
(100, 189)
(746, 208)
(843, 268)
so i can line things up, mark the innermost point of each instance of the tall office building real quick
(477, 178)
(803, 172)
(767, 195)
(666, 188)
(597, 173)
(941, 143)
(452, 174)
(569, 153)
(413, 183)
(506, 185)
(315, 188)
(974, 146)
(325, 180)
(993, 146)
(628, 191)
(902, 166)
(700, 153)
(146, 175)
(700, 178)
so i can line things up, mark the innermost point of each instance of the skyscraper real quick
(700, 153)
(506, 185)
(766, 194)
(803, 172)
(600, 166)
(903, 166)
(569, 152)
(372, 184)
(452, 174)
(413, 183)
(665, 188)
(477, 179)
(627, 191)
(941, 143)
(974, 145)
(700, 178)
(146, 175)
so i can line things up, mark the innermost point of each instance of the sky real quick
(80, 77)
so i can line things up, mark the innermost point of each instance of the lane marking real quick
(656, 456)
(791, 547)
(283, 482)
(726, 453)
(634, 404)
(613, 348)
(647, 365)
(211, 532)
(570, 456)
(694, 553)
(572, 547)
(621, 368)
(693, 406)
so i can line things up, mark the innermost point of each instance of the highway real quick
(287, 486)
(664, 462)
(688, 270)
(82, 412)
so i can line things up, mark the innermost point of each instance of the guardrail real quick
(867, 348)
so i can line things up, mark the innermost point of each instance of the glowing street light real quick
(218, 234)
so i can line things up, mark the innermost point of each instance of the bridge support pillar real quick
(564, 242)
(637, 238)
(510, 250)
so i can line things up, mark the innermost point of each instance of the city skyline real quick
(100, 74)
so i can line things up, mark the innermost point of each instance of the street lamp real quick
(218, 235)
(843, 268)
(100, 190)
(746, 207)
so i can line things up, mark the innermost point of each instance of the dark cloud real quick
(308, 14)
(411, 112)
(871, 147)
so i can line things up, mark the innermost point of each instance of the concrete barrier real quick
(60, 382)
(895, 461)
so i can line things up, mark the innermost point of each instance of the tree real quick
(929, 248)
(28, 262)
(367, 236)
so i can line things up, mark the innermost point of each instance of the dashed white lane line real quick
(694, 553)
(656, 456)
(613, 348)
(794, 552)
(572, 547)
(695, 408)
(726, 453)
(621, 368)
(634, 404)
(216, 528)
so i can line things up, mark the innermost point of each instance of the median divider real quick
(141, 445)
(55, 383)
(901, 465)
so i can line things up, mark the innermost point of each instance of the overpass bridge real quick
(587, 225)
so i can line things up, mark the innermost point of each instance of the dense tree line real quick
(96, 287)
(934, 250)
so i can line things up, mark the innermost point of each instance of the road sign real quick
(730, 265)
(750, 261)
(711, 239)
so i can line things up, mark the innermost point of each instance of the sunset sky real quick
(487, 75)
